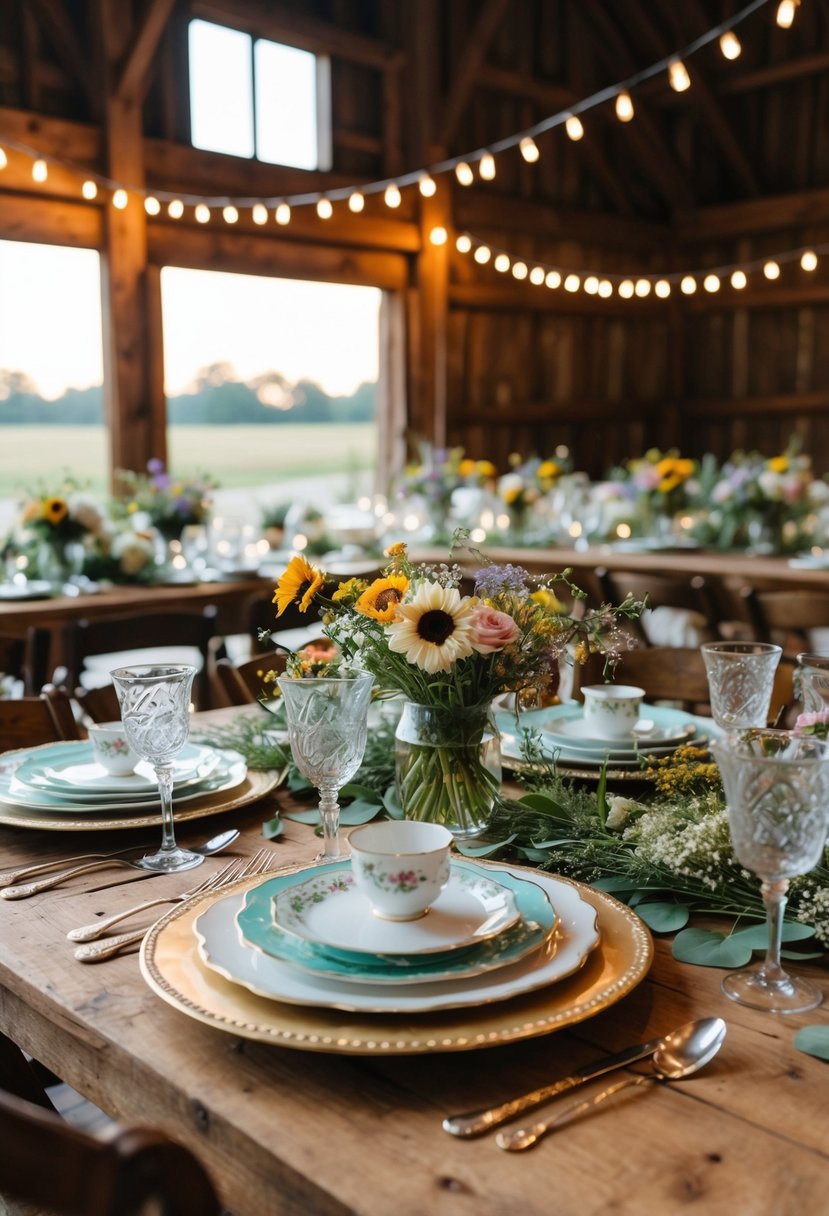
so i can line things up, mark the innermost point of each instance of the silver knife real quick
(476, 1122)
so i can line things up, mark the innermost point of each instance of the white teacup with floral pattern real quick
(612, 710)
(112, 752)
(400, 866)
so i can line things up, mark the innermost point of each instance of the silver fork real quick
(261, 862)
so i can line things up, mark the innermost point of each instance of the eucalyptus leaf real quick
(391, 804)
(355, 790)
(757, 936)
(359, 811)
(298, 784)
(544, 805)
(704, 948)
(802, 956)
(617, 882)
(273, 828)
(312, 816)
(814, 1041)
(536, 856)
(664, 917)
(484, 849)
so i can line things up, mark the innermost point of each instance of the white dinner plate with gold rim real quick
(71, 768)
(172, 968)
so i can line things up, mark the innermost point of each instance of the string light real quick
(151, 205)
(711, 282)
(482, 255)
(730, 45)
(572, 282)
(591, 285)
(573, 127)
(464, 174)
(808, 260)
(427, 185)
(202, 214)
(662, 288)
(120, 199)
(89, 190)
(537, 276)
(678, 76)
(439, 235)
(771, 270)
(259, 213)
(463, 244)
(738, 280)
(356, 202)
(529, 149)
(626, 289)
(392, 196)
(624, 106)
(40, 170)
(688, 285)
(486, 167)
(605, 289)
(642, 288)
(282, 214)
(230, 215)
(786, 10)
(502, 263)
(325, 208)
(519, 270)
(175, 209)
(4, 160)
(553, 279)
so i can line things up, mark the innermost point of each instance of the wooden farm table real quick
(291, 1132)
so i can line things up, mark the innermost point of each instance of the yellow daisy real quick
(298, 585)
(381, 599)
(349, 590)
(432, 630)
(398, 549)
(55, 510)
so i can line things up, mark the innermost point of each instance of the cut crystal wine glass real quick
(327, 724)
(777, 790)
(740, 681)
(155, 710)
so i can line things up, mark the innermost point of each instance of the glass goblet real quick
(155, 711)
(812, 681)
(740, 681)
(777, 790)
(327, 725)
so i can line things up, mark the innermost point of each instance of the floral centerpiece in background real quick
(449, 654)
(169, 504)
(431, 481)
(59, 521)
(663, 483)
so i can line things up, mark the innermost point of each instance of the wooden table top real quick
(287, 1132)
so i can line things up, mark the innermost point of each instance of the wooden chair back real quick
(262, 620)
(148, 631)
(692, 596)
(26, 658)
(50, 1164)
(667, 673)
(786, 617)
(31, 721)
(99, 704)
(242, 683)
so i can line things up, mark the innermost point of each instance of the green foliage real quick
(813, 1041)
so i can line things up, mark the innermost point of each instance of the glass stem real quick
(774, 897)
(330, 819)
(164, 774)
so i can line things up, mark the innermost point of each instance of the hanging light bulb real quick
(678, 76)
(427, 185)
(591, 285)
(439, 235)
(605, 289)
(738, 280)
(519, 270)
(501, 263)
(771, 270)
(730, 45)
(624, 106)
(175, 209)
(356, 202)
(392, 196)
(573, 127)
(808, 260)
(120, 199)
(643, 288)
(259, 213)
(537, 276)
(711, 282)
(282, 214)
(662, 288)
(486, 166)
(325, 209)
(151, 205)
(786, 10)
(4, 160)
(40, 171)
(89, 190)
(230, 215)
(626, 289)
(688, 285)
(572, 282)
(529, 149)
(463, 244)
(553, 279)
(464, 174)
(202, 213)
(482, 255)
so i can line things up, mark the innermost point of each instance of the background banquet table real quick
(290, 1131)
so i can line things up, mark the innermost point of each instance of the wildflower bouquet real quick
(169, 503)
(65, 514)
(663, 482)
(433, 479)
(449, 654)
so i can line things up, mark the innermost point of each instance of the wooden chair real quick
(148, 632)
(46, 1162)
(262, 619)
(30, 721)
(241, 683)
(26, 658)
(690, 596)
(786, 617)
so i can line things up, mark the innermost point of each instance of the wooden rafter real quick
(465, 72)
(775, 73)
(136, 70)
(54, 21)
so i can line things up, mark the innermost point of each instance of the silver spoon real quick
(682, 1053)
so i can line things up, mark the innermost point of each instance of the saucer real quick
(579, 732)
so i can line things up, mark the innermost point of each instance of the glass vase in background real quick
(448, 766)
(60, 562)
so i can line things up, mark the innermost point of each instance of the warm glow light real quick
(605, 289)
(785, 13)
(678, 76)
(711, 282)
(40, 171)
(624, 107)
(4, 160)
(626, 289)
(486, 166)
(662, 288)
(808, 260)
(89, 190)
(438, 236)
(230, 215)
(688, 285)
(282, 215)
(529, 149)
(519, 270)
(120, 199)
(464, 174)
(325, 209)
(730, 45)
(623, 531)
(482, 255)
(202, 213)
(501, 263)
(574, 128)
(175, 209)
(463, 244)
(427, 185)
(553, 279)
(572, 282)
(259, 213)
(356, 202)
(151, 205)
(591, 285)
(771, 270)
(643, 288)
(537, 276)
(738, 280)
(392, 196)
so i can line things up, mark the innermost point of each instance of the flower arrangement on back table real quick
(449, 654)
(60, 519)
(169, 503)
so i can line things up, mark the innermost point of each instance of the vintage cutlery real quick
(261, 862)
(475, 1123)
(214, 845)
(683, 1053)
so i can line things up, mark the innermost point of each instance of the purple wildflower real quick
(492, 581)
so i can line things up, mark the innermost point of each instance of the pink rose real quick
(491, 630)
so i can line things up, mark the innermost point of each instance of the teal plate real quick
(535, 929)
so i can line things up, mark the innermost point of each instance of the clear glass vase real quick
(448, 766)
(60, 562)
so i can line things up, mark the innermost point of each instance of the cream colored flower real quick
(432, 629)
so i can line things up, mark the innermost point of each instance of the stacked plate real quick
(310, 938)
(568, 739)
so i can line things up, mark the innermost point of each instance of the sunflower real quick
(55, 510)
(349, 590)
(381, 599)
(432, 630)
(298, 585)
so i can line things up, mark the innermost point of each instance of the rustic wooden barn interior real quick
(730, 172)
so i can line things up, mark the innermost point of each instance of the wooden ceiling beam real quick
(54, 21)
(136, 70)
(465, 72)
(756, 215)
(484, 211)
(775, 73)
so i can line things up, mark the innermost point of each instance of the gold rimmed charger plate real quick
(171, 966)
